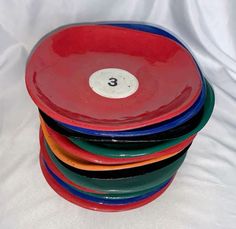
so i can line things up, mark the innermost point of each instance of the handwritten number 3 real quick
(113, 82)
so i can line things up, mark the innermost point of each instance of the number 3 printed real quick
(113, 82)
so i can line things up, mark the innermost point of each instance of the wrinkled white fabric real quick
(203, 194)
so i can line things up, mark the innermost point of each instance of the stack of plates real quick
(119, 105)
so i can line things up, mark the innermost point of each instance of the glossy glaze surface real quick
(128, 141)
(103, 150)
(84, 164)
(93, 192)
(62, 145)
(121, 185)
(59, 174)
(57, 76)
(104, 199)
(91, 205)
(124, 172)
(163, 126)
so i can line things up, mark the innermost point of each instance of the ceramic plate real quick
(104, 199)
(91, 205)
(92, 192)
(96, 80)
(121, 173)
(62, 146)
(81, 161)
(123, 185)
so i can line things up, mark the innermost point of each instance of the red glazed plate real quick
(107, 78)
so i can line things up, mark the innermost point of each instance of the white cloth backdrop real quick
(203, 194)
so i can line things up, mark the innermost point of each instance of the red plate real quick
(111, 78)
(92, 205)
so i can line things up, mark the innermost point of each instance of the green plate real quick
(121, 153)
(121, 185)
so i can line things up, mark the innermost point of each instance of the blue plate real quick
(157, 128)
(104, 200)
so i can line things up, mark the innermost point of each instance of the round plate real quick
(154, 129)
(122, 185)
(65, 80)
(62, 147)
(105, 199)
(116, 153)
(91, 205)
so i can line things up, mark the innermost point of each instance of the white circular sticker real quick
(113, 83)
